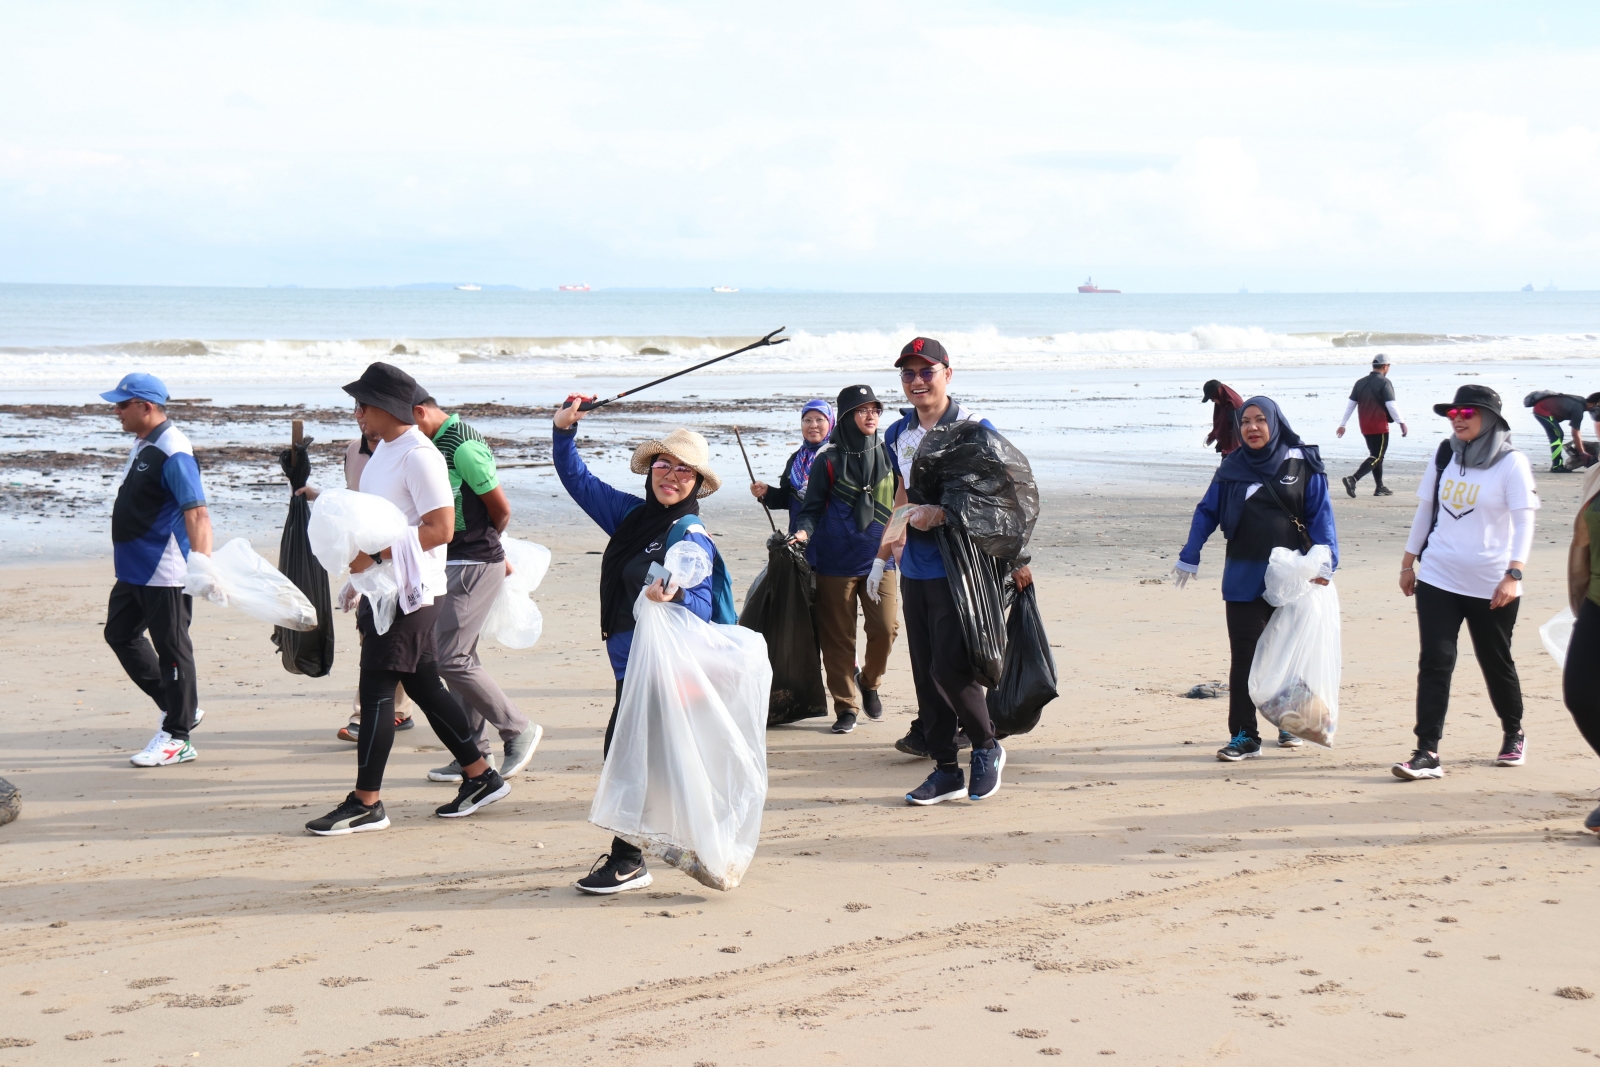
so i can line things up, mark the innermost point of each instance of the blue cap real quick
(138, 386)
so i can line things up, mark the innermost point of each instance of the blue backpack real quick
(722, 606)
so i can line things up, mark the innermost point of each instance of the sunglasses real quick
(676, 470)
(122, 405)
(1460, 413)
(926, 374)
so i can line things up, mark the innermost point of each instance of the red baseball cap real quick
(924, 348)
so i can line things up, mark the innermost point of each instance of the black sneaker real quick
(1513, 750)
(1383, 490)
(913, 743)
(844, 723)
(941, 785)
(609, 876)
(1241, 747)
(869, 701)
(475, 793)
(351, 817)
(1420, 765)
(1350, 485)
(1288, 740)
(987, 763)
(1559, 468)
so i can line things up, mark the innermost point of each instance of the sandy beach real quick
(1124, 895)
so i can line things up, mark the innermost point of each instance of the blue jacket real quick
(1245, 580)
(836, 547)
(712, 599)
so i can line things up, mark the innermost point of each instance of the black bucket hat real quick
(854, 396)
(387, 388)
(1475, 396)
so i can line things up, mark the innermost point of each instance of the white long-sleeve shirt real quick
(1486, 519)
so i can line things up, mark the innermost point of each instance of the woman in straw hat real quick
(677, 470)
(1469, 540)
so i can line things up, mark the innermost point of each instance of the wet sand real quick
(1125, 894)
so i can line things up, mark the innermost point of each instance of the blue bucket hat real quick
(138, 386)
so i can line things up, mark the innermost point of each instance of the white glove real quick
(1180, 577)
(925, 516)
(875, 581)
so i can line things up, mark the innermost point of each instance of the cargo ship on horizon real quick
(1089, 286)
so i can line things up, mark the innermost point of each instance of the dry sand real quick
(1125, 894)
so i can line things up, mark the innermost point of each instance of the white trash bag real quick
(688, 564)
(687, 775)
(1557, 634)
(234, 576)
(378, 584)
(1294, 679)
(344, 522)
(514, 620)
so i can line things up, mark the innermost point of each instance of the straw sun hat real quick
(689, 447)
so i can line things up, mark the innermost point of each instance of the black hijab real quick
(640, 528)
(863, 462)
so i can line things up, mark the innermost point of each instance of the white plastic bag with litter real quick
(344, 522)
(514, 620)
(378, 584)
(234, 576)
(688, 564)
(687, 775)
(1557, 634)
(1294, 679)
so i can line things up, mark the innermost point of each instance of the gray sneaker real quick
(520, 750)
(450, 772)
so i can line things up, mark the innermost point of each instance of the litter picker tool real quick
(590, 405)
(752, 472)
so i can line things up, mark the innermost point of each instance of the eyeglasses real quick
(676, 470)
(926, 374)
(121, 405)
(1461, 413)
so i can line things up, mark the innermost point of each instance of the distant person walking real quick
(1463, 563)
(1225, 403)
(850, 499)
(816, 423)
(475, 569)
(1551, 409)
(1373, 397)
(159, 517)
(1270, 493)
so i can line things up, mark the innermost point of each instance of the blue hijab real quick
(800, 472)
(1252, 465)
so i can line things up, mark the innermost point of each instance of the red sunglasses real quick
(1461, 413)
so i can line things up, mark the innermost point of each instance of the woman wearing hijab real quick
(677, 474)
(816, 423)
(1269, 493)
(1580, 678)
(1469, 569)
(849, 500)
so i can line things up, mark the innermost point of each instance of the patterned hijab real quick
(800, 472)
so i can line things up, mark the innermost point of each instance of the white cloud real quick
(869, 146)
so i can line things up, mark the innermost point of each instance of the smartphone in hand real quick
(658, 573)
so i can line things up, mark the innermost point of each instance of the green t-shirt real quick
(472, 474)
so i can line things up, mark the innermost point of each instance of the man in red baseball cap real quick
(949, 699)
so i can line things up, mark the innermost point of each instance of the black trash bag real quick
(976, 474)
(1028, 680)
(778, 606)
(977, 583)
(310, 652)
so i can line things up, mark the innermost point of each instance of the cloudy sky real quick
(1184, 146)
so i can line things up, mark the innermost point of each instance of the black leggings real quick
(1580, 680)
(1439, 617)
(624, 852)
(1377, 445)
(425, 687)
(1247, 619)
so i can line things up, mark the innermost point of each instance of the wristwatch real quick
(1514, 574)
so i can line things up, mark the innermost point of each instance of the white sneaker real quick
(163, 750)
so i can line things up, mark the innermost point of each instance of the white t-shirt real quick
(410, 473)
(1479, 531)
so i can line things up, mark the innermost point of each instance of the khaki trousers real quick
(836, 605)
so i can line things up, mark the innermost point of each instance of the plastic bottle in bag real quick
(1294, 678)
(234, 576)
(514, 620)
(686, 778)
(778, 607)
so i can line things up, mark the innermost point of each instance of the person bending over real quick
(1550, 410)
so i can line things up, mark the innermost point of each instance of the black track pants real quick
(948, 698)
(1377, 445)
(424, 686)
(1580, 681)
(166, 671)
(1247, 620)
(1439, 618)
